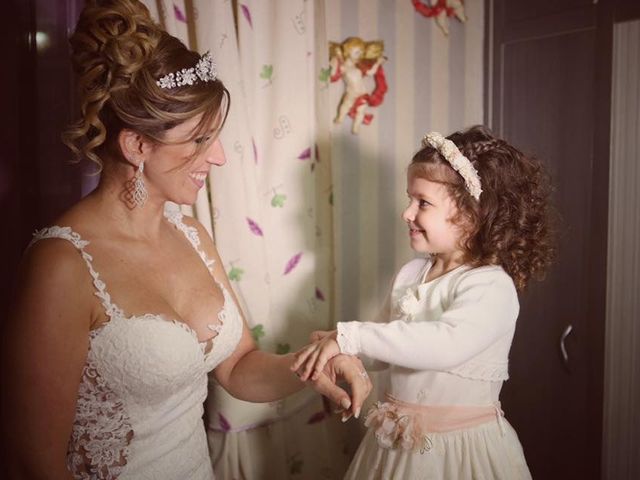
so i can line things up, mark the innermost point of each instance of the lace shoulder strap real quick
(74, 238)
(174, 215)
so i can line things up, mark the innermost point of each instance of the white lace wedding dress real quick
(139, 409)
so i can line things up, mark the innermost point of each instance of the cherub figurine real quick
(352, 61)
(441, 10)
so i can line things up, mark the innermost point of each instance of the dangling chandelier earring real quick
(139, 194)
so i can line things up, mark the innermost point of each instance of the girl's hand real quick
(320, 334)
(311, 360)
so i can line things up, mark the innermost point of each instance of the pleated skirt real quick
(483, 452)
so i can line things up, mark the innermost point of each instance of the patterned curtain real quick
(306, 214)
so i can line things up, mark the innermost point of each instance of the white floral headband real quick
(458, 162)
(205, 71)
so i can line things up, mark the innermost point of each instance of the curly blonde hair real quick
(513, 223)
(118, 53)
(352, 43)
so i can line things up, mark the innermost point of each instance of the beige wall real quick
(621, 443)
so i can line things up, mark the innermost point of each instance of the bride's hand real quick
(312, 358)
(351, 370)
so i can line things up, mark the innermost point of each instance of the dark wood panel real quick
(37, 181)
(549, 94)
(519, 10)
(547, 108)
(626, 10)
(557, 24)
(19, 201)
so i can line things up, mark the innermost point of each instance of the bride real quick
(123, 307)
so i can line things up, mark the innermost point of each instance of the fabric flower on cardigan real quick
(408, 305)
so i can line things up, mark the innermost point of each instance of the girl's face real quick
(428, 217)
(171, 175)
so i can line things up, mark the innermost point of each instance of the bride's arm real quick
(45, 343)
(256, 376)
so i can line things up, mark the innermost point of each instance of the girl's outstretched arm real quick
(311, 359)
(484, 308)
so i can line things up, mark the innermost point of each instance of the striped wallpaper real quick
(621, 440)
(435, 83)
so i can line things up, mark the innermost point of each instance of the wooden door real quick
(37, 182)
(549, 91)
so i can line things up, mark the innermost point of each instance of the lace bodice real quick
(139, 408)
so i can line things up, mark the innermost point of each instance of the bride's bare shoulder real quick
(53, 287)
(53, 258)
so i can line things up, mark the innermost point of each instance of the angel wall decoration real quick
(441, 10)
(353, 61)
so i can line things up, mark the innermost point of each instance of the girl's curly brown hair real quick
(118, 53)
(512, 224)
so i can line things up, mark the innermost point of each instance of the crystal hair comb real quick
(204, 71)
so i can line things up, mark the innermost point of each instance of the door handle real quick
(563, 348)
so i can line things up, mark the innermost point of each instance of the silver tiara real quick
(204, 71)
(457, 160)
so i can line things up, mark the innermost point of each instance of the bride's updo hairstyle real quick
(118, 54)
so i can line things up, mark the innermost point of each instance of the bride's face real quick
(173, 172)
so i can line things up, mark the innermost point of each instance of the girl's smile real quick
(416, 232)
(428, 217)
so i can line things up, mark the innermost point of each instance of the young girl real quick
(478, 211)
